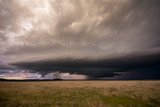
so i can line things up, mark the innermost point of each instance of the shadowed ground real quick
(80, 94)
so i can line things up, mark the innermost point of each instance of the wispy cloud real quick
(23, 75)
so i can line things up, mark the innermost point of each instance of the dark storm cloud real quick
(95, 67)
(117, 34)
(8, 67)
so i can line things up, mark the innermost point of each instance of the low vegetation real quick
(80, 94)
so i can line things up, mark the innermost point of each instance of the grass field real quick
(80, 94)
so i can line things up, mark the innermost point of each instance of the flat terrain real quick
(80, 94)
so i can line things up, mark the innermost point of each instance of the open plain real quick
(80, 94)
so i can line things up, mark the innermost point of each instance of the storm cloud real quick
(90, 37)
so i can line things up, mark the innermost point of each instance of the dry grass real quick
(80, 93)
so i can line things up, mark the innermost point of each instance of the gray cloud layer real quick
(33, 30)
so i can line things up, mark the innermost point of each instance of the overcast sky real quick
(35, 30)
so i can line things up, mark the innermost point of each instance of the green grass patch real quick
(117, 101)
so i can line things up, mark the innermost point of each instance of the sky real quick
(78, 38)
